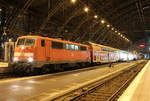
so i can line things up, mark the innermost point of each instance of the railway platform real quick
(139, 89)
(4, 67)
(47, 87)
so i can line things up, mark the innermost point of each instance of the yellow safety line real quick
(127, 95)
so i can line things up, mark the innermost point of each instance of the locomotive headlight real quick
(15, 59)
(22, 47)
(30, 59)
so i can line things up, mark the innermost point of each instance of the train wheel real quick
(58, 67)
(61, 68)
(28, 71)
(16, 69)
(45, 70)
(78, 65)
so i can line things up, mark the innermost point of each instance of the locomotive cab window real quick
(21, 42)
(30, 42)
(42, 43)
(57, 45)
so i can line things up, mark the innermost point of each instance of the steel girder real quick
(76, 12)
(85, 19)
(87, 31)
(21, 12)
(50, 14)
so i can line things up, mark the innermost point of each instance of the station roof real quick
(116, 23)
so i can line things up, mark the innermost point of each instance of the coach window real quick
(112, 51)
(42, 43)
(57, 45)
(104, 49)
(83, 48)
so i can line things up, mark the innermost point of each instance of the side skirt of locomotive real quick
(46, 67)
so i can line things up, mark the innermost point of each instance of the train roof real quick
(106, 47)
(65, 41)
(54, 39)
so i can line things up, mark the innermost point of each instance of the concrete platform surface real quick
(4, 67)
(42, 88)
(139, 89)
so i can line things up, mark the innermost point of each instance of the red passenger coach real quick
(35, 52)
(103, 54)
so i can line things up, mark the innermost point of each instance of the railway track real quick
(108, 89)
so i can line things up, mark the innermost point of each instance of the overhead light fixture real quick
(112, 28)
(108, 26)
(118, 33)
(115, 31)
(102, 21)
(95, 16)
(73, 1)
(86, 9)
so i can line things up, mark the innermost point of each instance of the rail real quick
(107, 89)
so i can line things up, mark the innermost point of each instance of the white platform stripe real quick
(129, 92)
(23, 54)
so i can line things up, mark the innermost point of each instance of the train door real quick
(42, 50)
(47, 49)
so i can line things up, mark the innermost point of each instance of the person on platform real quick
(110, 64)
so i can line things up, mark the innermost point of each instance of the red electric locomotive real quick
(34, 52)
